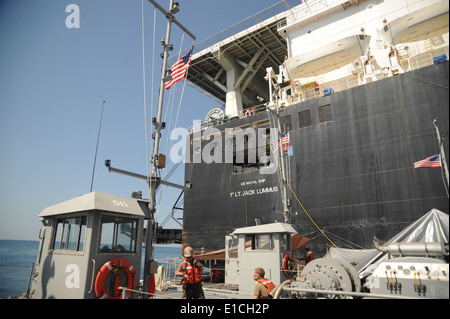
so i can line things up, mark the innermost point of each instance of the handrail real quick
(344, 293)
(92, 278)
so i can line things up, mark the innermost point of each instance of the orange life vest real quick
(309, 256)
(267, 283)
(193, 272)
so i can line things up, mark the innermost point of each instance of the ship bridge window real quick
(118, 234)
(69, 233)
(325, 114)
(304, 119)
(259, 242)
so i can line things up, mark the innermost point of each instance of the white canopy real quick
(96, 201)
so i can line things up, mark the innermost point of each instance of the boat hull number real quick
(120, 203)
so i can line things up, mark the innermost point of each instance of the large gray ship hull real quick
(351, 167)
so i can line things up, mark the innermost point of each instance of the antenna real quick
(96, 148)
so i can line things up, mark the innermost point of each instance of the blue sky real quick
(52, 83)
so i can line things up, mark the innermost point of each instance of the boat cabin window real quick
(259, 242)
(233, 247)
(69, 233)
(286, 242)
(118, 234)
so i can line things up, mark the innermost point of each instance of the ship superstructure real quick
(351, 88)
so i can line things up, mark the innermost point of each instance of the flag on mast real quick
(432, 161)
(284, 140)
(179, 69)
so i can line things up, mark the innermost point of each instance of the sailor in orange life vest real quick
(308, 256)
(191, 270)
(263, 287)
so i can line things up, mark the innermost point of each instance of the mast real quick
(283, 170)
(270, 77)
(165, 77)
(157, 160)
(155, 180)
(442, 155)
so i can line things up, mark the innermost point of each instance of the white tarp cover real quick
(432, 227)
(350, 255)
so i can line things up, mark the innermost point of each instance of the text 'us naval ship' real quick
(330, 135)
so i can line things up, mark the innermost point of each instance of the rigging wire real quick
(153, 59)
(168, 145)
(344, 241)
(145, 96)
(296, 197)
(424, 81)
(176, 122)
(171, 102)
(147, 157)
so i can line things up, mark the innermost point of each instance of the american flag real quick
(284, 140)
(432, 161)
(179, 69)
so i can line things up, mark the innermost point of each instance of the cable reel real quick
(326, 274)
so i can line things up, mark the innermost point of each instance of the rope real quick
(348, 243)
(153, 60)
(296, 197)
(145, 293)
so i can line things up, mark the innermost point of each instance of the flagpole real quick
(157, 160)
(442, 154)
(154, 181)
(165, 77)
(283, 172)
(158, 125)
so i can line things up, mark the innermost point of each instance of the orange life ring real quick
(288, 265)
(115, 266)
(249, 112)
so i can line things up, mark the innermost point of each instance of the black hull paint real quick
(354, 174)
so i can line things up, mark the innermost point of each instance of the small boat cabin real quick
(257, 246)
(89, 247)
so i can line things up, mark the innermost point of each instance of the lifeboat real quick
(327, 58)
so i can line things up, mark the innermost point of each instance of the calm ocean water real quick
(17, 256)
